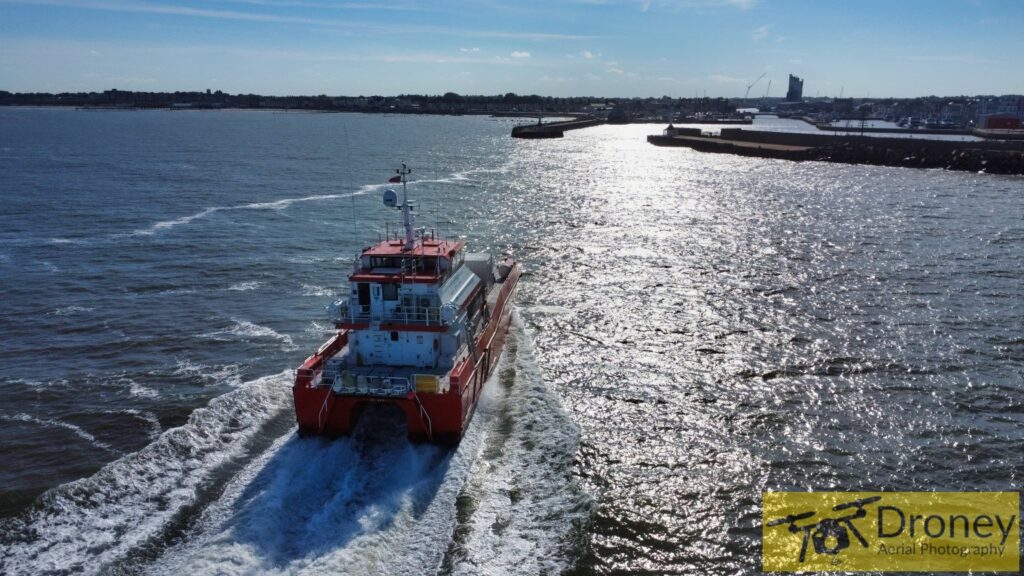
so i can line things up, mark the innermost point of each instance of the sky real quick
(604, 48)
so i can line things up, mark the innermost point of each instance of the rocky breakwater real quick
(991, 156)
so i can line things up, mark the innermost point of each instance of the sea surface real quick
(695, 329)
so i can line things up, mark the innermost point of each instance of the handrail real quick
(305, 375)
(424, 415)
(425, 315)
(476, 362)
(320, 422)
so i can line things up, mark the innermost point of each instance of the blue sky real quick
(559, 48)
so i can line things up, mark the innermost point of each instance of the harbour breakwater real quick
(553, 129)
(993, 156)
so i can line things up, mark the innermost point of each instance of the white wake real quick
(503, 502)
(81, 526)
(375, 504)
(272, 205)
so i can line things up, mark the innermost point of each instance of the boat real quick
(421, 328)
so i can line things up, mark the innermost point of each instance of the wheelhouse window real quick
(389, 291)
(385, 262)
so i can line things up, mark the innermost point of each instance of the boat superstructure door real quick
(376, 301)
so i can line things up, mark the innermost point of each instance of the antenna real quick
(407, 216)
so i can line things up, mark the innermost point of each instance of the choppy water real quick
(695, 329)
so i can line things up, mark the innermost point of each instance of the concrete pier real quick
(739, 147)
(553, 129)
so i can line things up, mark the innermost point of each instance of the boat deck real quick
(378, 380)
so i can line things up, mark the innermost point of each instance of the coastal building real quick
(1001, 122)
(842, 107)
(1000, 112)
(796, 89)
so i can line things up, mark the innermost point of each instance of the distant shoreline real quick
(274, 110)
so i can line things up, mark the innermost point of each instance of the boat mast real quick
(407, 216)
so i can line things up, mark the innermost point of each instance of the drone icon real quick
(834, 530)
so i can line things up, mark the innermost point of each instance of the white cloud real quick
(618, 71)
(469, 49)
(381, 27)
(520, 54)
(587, 54)
(955, 59)
(761, 32)
(689, 4)
(723, 79)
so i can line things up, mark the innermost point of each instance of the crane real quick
(751, 85)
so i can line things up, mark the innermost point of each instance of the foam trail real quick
(245, 286)
(225, 374)
(77, 430)
(375, 504)
(177, 221)
(148, 417)
(246, 330)
(527, 503)
(368, 504)
(316, 506)
(274, 205)
(465, 174)
(310, 290)
(140, 391)
(82, 526)
(69, 310)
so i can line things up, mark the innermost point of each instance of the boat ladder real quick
(424, 416)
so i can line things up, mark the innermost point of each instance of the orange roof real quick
(444, 248)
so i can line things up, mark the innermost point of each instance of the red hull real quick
(443, 417)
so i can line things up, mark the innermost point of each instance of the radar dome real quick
(390, 198)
